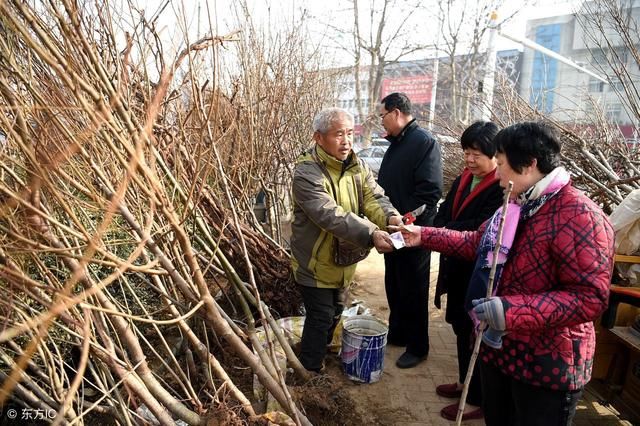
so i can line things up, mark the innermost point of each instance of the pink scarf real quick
(525, 206)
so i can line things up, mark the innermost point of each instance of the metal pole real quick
(434, 89)
(434, 75)
(490, 69)
(535, 46)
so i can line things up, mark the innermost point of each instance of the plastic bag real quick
(626, 224)
(336, 340)
(292, 329)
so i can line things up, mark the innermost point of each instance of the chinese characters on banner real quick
(417, 88)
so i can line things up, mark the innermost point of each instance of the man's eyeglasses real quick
(382, 116)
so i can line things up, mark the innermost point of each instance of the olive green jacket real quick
(318, 216)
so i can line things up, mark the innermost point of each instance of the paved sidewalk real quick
(407, 397)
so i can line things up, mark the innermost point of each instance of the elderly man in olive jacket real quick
(339, 213)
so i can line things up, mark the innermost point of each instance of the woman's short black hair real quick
(398, 101)
(480, 136)
(524, 142)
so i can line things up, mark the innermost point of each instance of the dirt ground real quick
(407, 397)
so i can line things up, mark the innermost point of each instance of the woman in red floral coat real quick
(555, 272)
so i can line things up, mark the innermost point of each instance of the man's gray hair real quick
(324, 119)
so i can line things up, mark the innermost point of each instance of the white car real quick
(380, 142)
(446, 138)
(373, 157)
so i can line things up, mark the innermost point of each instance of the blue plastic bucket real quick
(364, 339)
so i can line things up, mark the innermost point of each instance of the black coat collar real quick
(408, 128)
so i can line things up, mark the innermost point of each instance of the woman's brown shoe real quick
(451, 411)
(450, 390)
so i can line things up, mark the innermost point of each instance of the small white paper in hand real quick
(397, 240)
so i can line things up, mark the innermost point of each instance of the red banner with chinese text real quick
(417, 88)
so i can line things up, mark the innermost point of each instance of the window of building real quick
(614, 112)
(620, 55)
(619, 86)
(588, 109)
(596, 85)
(598, 57)
(545, 70)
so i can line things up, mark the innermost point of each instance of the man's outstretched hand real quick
(395, 221)
(382, 241)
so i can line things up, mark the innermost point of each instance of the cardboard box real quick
(611, 353)
(631, 387)
(609, 360)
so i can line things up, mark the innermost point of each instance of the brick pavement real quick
(407, 397)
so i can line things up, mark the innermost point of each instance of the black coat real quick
(411, 172)
(454, 274)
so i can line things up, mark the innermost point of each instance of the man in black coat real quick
(411, 175)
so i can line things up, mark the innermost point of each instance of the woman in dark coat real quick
(474, 196)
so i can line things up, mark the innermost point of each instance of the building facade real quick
(550, 86)
(570, 95)
(416, 79)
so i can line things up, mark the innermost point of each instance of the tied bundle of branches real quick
(594, 150)
(121, 218)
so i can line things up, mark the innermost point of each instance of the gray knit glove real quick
(491, 310)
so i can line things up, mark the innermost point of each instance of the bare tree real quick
(610, 29)
(463, 40)
(383, 32)
(126, 234)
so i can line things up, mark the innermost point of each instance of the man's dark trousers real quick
(323, 308)
(406, 282)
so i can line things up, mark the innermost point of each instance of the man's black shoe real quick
(408, 360)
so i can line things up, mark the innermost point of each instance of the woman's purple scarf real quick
(525, 206)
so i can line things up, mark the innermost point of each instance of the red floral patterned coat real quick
(554, 284)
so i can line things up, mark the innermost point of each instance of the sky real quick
(325, 18)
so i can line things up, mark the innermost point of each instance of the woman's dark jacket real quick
(463, 211)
